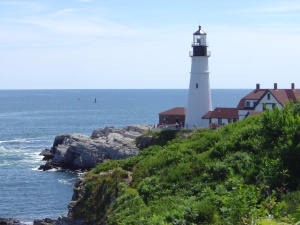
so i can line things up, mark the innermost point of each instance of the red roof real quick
(177, 111)
(253, 95)
(253, 113)
(222, 113)
(207, 115)
(282, 95)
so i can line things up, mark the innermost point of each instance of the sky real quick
(117, 44)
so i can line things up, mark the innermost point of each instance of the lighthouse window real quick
(196, 85)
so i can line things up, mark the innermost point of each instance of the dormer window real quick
(247, 103)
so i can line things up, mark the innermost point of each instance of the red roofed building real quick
(252, 104)
(221, 116)
(173, 116)
(258, 99)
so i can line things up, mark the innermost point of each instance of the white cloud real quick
(65, 11)
(66, 27)
(98, 47)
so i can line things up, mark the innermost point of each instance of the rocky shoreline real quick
(79, 152)
(82, 152)
(60, 221)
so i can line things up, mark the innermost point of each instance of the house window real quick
(273, 105)
(165, 118)
(196, 85)
(269, 96)
(247, 104)
(220, 121)
(229, 120)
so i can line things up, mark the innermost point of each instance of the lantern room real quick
(199, 43)
(199, 38)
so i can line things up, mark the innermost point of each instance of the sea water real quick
(30, 120)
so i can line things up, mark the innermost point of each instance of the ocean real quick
(30, 120)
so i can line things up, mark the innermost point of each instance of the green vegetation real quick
(243, 173)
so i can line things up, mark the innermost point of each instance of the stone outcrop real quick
(62, 220)
(10, 221)
(81, 152)
(46, 221)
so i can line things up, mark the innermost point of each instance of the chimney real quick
(257, 86)
(293, 86)
(275, 86)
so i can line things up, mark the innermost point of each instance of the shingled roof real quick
(253, 95)
(177, 111)
(283, 95)
(222, 113)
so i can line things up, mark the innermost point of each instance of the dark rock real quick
(69, 221)
(10, 221)
(48, 154)
(45, 167)
(46, 221)
(59, 139)
(144, 142)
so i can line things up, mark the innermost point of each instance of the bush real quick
(241, 173)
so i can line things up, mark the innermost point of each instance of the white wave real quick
(52, 170)
(27, 223)
(29, 140)
(14, 140)
(37, 169)
(66, 181)
(2, 149)
(5, 163)
(35, 156)
(16, 156)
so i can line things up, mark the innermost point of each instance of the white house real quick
(252, 104)
(256, 101)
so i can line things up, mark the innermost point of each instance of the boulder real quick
(82, 152)
(63, 220)
(144, 142)
(10, 221)
(46, 221)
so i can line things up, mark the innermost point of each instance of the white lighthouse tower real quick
(199, 97)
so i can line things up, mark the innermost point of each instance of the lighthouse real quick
(199, 97)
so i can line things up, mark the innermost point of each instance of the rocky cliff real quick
(81, 152)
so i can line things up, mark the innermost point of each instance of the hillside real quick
(243, 173)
